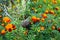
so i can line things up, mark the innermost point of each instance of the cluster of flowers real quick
(7, 25)
(43, 17)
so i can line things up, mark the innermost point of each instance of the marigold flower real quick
(42, 28)
(38, 19)
(42, 19)
(34, 19)
(6, 19)
(53, 27)
(44, 15)
(3, 32)
(8, 27)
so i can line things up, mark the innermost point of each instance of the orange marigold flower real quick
(47, 11)
(38, 19)
(42, 19)
(44, 15)
(57, 8)
(53, 27)
(51, 12)
(42, 28)
(3, 32)
(6, 19)
(8, 27)
(54, 1)
(34, 19)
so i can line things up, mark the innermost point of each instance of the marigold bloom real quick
(42, 28)
(6, 19)
(8, 27)
(44, 15)
(34, 19)
(3, 32)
